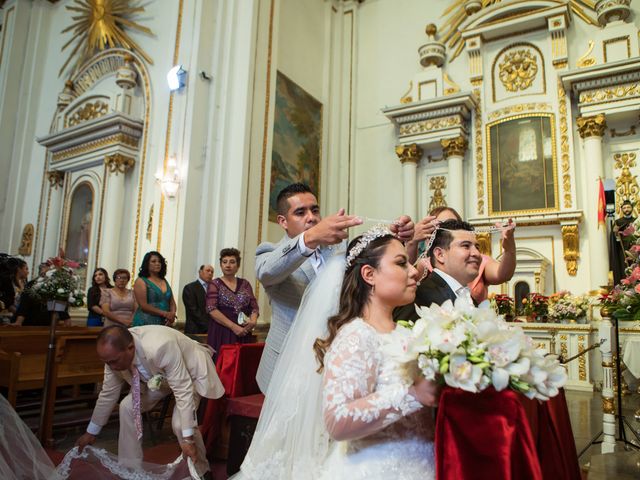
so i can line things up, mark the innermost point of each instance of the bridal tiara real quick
(368, 237)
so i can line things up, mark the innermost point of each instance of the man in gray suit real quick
(286, 268)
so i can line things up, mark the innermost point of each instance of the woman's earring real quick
(373, 288)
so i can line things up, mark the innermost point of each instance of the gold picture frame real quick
(522, 173)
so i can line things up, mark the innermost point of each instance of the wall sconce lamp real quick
(177, 78)
(170, 180)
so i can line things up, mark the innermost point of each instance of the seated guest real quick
(13, 279)
(492, 272)
(228, 299)
(456, 258)
(99, 284)
(194, 298)
(156, 305)
(32, 312)
(119, 303)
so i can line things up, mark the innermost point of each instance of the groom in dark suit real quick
(455, 257)
(194, 298)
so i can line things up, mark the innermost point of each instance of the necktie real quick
(135, 392)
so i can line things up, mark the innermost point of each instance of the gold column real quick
(592, 126)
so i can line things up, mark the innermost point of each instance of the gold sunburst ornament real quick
(456, 13)
(100, 24)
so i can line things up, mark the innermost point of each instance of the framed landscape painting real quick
(297, 140)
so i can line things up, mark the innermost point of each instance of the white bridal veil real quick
(290, 440)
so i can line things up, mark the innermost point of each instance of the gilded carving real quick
(26, 243)
(409, 153)
(437, 184)
(406, 98)
(100, 25)
(592, 126)
(118, 163)
(88, 111)
(430, 125)
(150, 224)
(453, 86)
(520, 108)
(627, 133)
(582, 361)
(117, 139)
(608, 94)
(564, 146)
(484, 240)
(571, 248)
(586, 60)
(608, 405)
(478, 153)
(518, 70)
(563, 347)
(626, 183)
(454, 146)
(56, 178)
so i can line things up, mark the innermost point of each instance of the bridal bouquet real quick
(473, 348)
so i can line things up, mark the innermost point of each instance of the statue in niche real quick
(79, 227)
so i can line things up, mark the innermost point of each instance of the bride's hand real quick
(426, 392)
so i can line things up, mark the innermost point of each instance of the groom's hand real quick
(330, 230)
(426, 392)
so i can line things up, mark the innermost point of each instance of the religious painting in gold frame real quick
(522, 165)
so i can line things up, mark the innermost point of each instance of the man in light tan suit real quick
(153, 350)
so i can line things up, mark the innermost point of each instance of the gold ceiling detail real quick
(99, 25)
(455, 15)
(518, 70)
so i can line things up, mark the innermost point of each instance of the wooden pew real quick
(76, 362)
(23, 353)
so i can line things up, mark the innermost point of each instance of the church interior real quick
(128, 127)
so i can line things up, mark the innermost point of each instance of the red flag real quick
(602, 209)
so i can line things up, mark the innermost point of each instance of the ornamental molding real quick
(436, 185)
(601, 76)
(56, 178)
(453, 147)
(409, 153)
(519, 108)
(532, 219)
(518, 69)
(594, 126)
(117, 139)
(118, 163)
(626, 183)
(571, 248)
(86, 111)
(609, 94)
(430, 125)
(565, 165)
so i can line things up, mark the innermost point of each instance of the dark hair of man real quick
(117, 336)
(201, 267)
(144, 268)
(289, 191)
(107, 282)
(444, 237)
(121, 271)
(230, 252)
(438, 210)
(355, 292)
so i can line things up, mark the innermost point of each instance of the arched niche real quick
(79, 242)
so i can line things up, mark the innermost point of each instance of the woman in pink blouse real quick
(118, 303)
(231, 304)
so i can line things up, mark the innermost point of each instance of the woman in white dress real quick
(373, 409)
(364, 416)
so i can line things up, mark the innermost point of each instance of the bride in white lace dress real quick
(364, 417)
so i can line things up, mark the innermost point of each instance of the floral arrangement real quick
(563, 306)
(473, 348)
(59, 283)
(503, 304)
(535, 305)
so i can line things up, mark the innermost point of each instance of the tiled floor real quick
(586, 419)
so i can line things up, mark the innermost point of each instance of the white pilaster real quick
(409, 156)
(453, 150)
(54, 214)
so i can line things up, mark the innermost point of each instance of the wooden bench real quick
(23, 353)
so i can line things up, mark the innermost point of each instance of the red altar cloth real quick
(236, 366)
(552, 434)
(484, 435)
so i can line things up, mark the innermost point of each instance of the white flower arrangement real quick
(473, 348)
(155, 382)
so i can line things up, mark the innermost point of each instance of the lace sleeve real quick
(355, 403)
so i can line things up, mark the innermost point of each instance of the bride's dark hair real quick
(355, 292)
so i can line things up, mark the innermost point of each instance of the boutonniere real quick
(155, 382)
